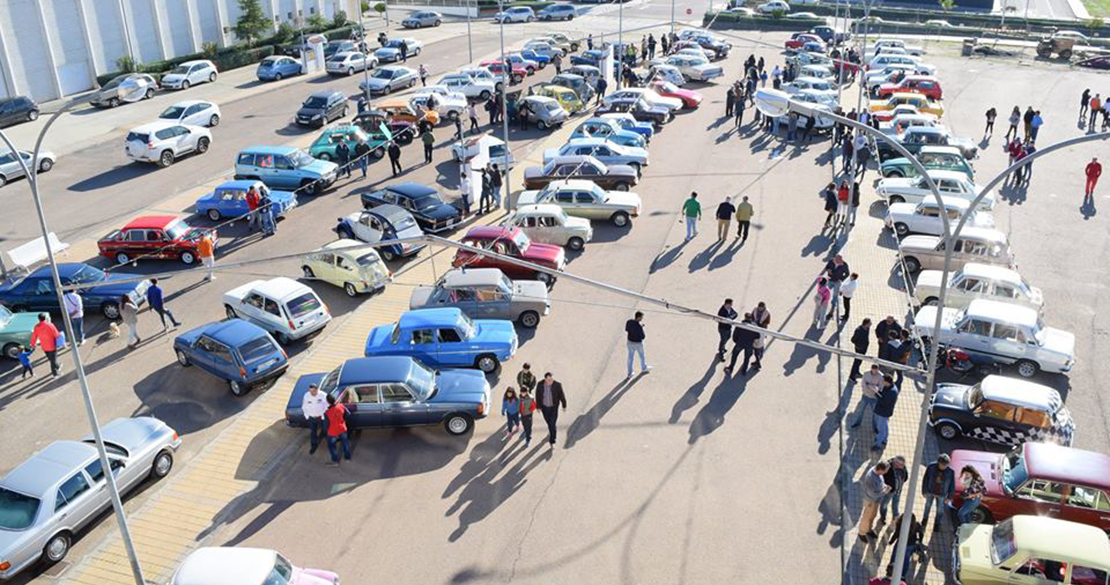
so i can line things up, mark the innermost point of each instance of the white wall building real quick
(54, 48)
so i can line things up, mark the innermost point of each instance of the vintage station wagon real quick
(1001, 410)
(978, 281)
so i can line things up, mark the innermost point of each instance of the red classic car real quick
(690, 99)
(798, 39)
(514, 243)
(152, 236)
(1041, 479)
(924, 84)
(497, 67)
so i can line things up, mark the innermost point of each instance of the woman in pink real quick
(46, 335)
(821, 302)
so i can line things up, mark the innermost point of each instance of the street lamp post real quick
(620, 42)
(506, 77)
(469, 45)
(365, 58)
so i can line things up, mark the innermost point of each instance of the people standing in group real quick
(838, 272)
(429, 141)
(157, 301)
(510, 408)
(550, 396)
(743, 340)
(46, 336)
(362, 157)
(634, 328)
(884, 328)
(724, 330)
(343, 159)
(691, 212)
(206, 251)
(651, 46)
(129, 312)
(724, 217)
(27, 368)
(972, 494)
(1093, 171)
(266, 213)
(898, 350)
(395, 158)
(938, 486)
(1027, 118)
(861, 341)
(881, 413)
(744, 213)
(1015, 119)
(874, 488)
(314, 405)
(738, 110)
(821, 300)
(991, 115)
(75, 308)
(527, 408)
(895, 477)
(336, 415)
(1035, 126)
(871, 386)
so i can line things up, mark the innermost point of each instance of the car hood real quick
(975, 552)
(172, 78)
(387, 52)
(22, 322)
(109, 286)
(1059, 341)
(320, 167)
(546, 253)
(300, 389)
(578, 224)
(896, 183)
(494, 330)
(283, 197)
(310, 112)
(460, 386)
(950, 396)
(981, 219)
(900, 209)
(624, 198)
(919, 243)
(237, 293)
(420, 296)
(440, 211)
(531, 290)
(926, 317)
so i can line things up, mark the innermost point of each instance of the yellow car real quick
(401, 110)
(922, 103)
(1031, 550)
(566, 96)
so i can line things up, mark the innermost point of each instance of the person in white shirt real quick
(846, 291)
(314, 405)
(75, 307)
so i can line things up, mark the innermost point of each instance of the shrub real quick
(242, 57)
(379, 8)
(316, 22)
(126, 64)
(364, 5)
(285, 33)
(210, 51)
(340, 19)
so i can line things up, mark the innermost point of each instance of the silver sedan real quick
(54, 494)
(388, 79)
(11, 169)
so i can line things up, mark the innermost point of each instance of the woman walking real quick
(527, 407)
(972, 494)
(510, 407)
(991, 115)
(1015, 119)
(830, 203)
(821, 302)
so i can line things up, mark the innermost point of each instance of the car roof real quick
(1045, 537)
(542, 99)
(982, 233)
(232, 332)
(1018, 392)
(243, 184)
(572, 184)
(990, 271)
(430, 317)
(575, 159)
(907, 95)
(375, 369)
(472, 277)
(196, 62)
(225, 565)
(411, 190)
(278, 150)
(150, 222)
(280, 288)
(187, 103)
(389, 212)
(154, 126)
(395, 68)
(43, 470)
(948, 201)
(947, 174)
(489, 232)
(348, 246)
(939, 149)
(586, 142)
(1067, 465)
(808, 79)
(539, 208)
(1004, 312)
(324, 93)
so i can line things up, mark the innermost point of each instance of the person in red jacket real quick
(253, 200)
(1094, 170)
(337, 430)
(46, 335)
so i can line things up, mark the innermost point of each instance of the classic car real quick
(549, 224)
(444, 338)
(614, 177)
(1030, 549)
(773, 6)
(544, 111)
(422, 18)
(628, 122)
(324, 146)
(914, 138)
(514, 243)
(518, 60)
(448, 105)
(1001, 410)
(15, 331)
(49, 498)
(289, 310)
(545, 46)
(610, 130)
(126, 88)
(565, 97)
(694, 67)
(483, 75)
(403, 110)
(916, 50)
(391, 50)
(926, 85)
(388, 79)
(690, 99)
(397, 391)
(190, 73)
(921, 102)
(235, 351)
(649, 95)
(951, 184)
(601, 149)
(347, 264)
(981, 245)
(321, 108)
(285, 167)
(347, 62)
(486, 293)
(230, 200)
(885, 59)
(578, 83)
(488, 145)
(1001, 333)
(798, 39)
(277, 67)
(10, 168)
(192, 113)
(905, 117)
(474, 89)
(710, 42)
(532, 55)
(246, 566)
(154, 237)
(561, 40)
(978, 281)
(383, 222)
(35, 291)
(514, 72)
(424, 203)
(639, 109)
(581, 198)
(664, 72)
(807, 57)
(831, 35)
(942, 158)
(592, 57)
(925, 217)
(811, 83)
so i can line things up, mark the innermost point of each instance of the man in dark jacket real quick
(883, 329)
(343, 158)
(861, 339)
(362, 155)
(404, 52)
(895, 477)
(884, 409)
(395, 158)
(549, 397)
(724, 330)
(743, 340)
(938, 486)
(634, 328)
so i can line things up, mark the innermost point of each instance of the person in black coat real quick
(883, 329)
(395, 158)
(343, 158)
(861, 340)
(831, 203)
(743, 340)
(549, 397)
(724, 330)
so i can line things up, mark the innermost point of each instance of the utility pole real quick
(672, 16)
(620, 43)
(506, 78)
(469, 45)
(365, 58)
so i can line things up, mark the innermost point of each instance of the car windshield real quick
(1002, 541)
(315, 102)
(172, 112)
(668, 87)
(1041, 331)
(87, 274)
(330, 381)
(382, 74)
(300, 158)
(281, 574)
(974, 397)
(522, 242)
(552, 106)
(303, 305)
(425, 203)
(17, 511)
(466, 326)
(422, 380)
(177, 230)
(1014, 472)
(114, 83)
(180, 70)
(257, 349)
(268, 62)
(368, 259)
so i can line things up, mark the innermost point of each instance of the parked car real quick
(278, 67)
(446, 107)
(576, 82)
(163, 142)
(422, 18)
(905, 117)
(390, 52)
(486, 293)
(349, 265)
(544, 111)
(287, 309)
(285, 167)
(690, 99)
(610, 130)
(16, 110)
(397, 391)
(325, 145)
(388, 79)
(549, 224)
(515, 73)
(192, 113)
(1030, 549)
(383, 222)
(585, 199)
(190, 73)
(925, 217)
(514, 243)
(483, 75)
(831, 35)
(629, 122)
(401, 109)
(558, 12)
(347, 62)
(562, 41)
(1001, 410)
(15, 331)
(915, 50)
(926, 85)
(51, 497)
(492, 147)
(518, 60)
(917, 137)
(333, 48)
(1001, 334)
(592, 57)
(951, 184)
(649, 95)
(981, 245)
(126, 88)
(941, 158)
(515, 14)
(11, 169)
(588, 72)
(601, 149)
(884, 59)
(978, 281)
(249, 566)
(612, 177)
(806, 56)
(639, 109)
(155, 237)
(565, 98)
(424, 203)
(532, 55)
(444, 338)
(472, 88)
(919, 101)
(322, 107)
(772, 7)
(235, 351)
(100, 291)
(546, 47)
(230, 200)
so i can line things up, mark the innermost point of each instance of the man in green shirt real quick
(744, 213)
(691, 209)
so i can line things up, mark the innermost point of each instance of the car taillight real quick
(291, 327)
(243, 372)
(175, 436)
(4, 566)
(481, 408)
(150, 144)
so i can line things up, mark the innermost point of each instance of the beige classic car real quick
(980, 245)
(581, 198)
(978, 281)
(1031, 549)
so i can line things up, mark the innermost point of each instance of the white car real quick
(1076, 36)
(876, 78)
(884, 60)
(668, 73)
(740, 10)
(696, 68)
(193, 113)
(924, 217)
(391, 51)
(390, 78)
(650, 96)
(801, 15)
(581, 198)
(286, 308)
(1001, 333)
(812, 96)
(978, 281)
(545, 48)
(469, 87)
(190, 73)
(450, 105)
(245, 566)
(910, 49)
(603, 150)
(549, 224)
(694, 50)
(810, 58)
(483, 75)
(816, 72)
(163, 142)
(951, 184)
(515, 14)
(773, 6)
(810, 84)
(347, 62)
(902, 122)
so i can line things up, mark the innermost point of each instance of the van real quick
(286, 168)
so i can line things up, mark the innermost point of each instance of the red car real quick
(924, 84)
(517, 71)
(514, 243)
(796, 40)
(152, 236)
(690, 99)
(1041, 479)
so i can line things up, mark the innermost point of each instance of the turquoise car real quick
(446, 338)
(15, 331)
(285, 167)
(324, 146)
(610, 130)
(947, 158)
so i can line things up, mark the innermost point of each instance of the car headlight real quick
(317, 117)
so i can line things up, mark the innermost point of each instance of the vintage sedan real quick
(48, 499)
(542, 110)
(100, 290)
(391, 50)
(611, 177)
(289, 310)
(245, 566)
(515, 72)
(444, 338)
(422, 18)
(592, 57)
(1030, 549)
(581, 198)
(690, 99)
(449, 105)
(610, 130)
(982, 245)
(798, 39)
(349, 265)
(403, 110)
(532, 55)
(639, 109)
(1001, 410)
(565, 97)
(486, 293)
(10, 168)
(325, 145)
(513, 243)
(473, 89)
(1001, 334)
(388, 79)
(926, 85)
(230, 200)
(384, 222)
(601, 149)
(650, 95)
(528, 65)
(812, 83)
(238, 352)
(424, 203)
(694, 67)
(628, 122)
(193, 113)
(397, 391)
(941, 158)
(978, 281)
(15, 331)
(154, 237)
(921, 102)
(549, 224)
(925, 217)
(918, 136)
(951, 184)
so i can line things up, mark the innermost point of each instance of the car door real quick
(134, 243)
(283, 173)
(452, 349)
(324, 268)
(346, 270)
(400, 408)
(75, 502)
(196, 115)
(363, 404)
(1008, 342)
(1087, 505)
(1041, 497)
(993, 421)
(538, 228)
(250, 308)
(463, 297)
(219, 361)
(966, 288)
(492, 303)
(974, 336)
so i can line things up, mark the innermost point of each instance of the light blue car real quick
(629, 122)
(277, 67)
(285, 167)
(610, 130)
(601, 149)
(446, 337)
(230, 200)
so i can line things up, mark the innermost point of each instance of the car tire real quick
(110, 310)
(122, 258)
(912, 264)
(212, 77)
(32, 115)
(324, 156)
(308, 273)
(45, 165)
(901, 229)
(165, 159)
(163, 464)
(387, 254)
(621, 187)
(452, 115)
(576, 243)
(183, 359)
(349, 288)
(948, 431)
(11, 351)
(310, 187)
(230, 312)
(214, 214)
(530, 19)
(237, 388)
(3, 180)
(149, 93)
(484, 96)
(282, 338)
(981, 515)
(202, 145)
(895, 174)
(436, 23)
(487, 363)
(620, 219)
(345, 232)
(458, 424)
(184, 85)
(529, 319)
(350, 71)
(1027, 369)
(930, 302)
(378, 152)
(113, 102)
(56, 548)
(188, 258)
(541, 125)
(412, 83)
(277, 77)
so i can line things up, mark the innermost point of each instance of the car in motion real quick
(348, 264)
(585, 199)
(388, 79)
(152, 237)
(445, 337)
(424, 203)
(238, 352)
(512, 243)
(289, 310)
(190, 73)
(48, 499)
(397, 391)
(486, 293)
(163, 142)
(247, 566)
(100, 290)
(16, 110)
(193, 113)
(10, 167)
(278, 67)
(422, 18)
(611, 177)
(126, 88)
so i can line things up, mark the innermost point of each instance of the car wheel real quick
(185, 85)
(214, 214)
(499, 86)
(165, 159)
(378, 152)
(436, 23)
(277, 77)
(895, 173)
(930, 301)
(484, 96)
(230, 312)
(110, 310)
(324, 156)
(981, 515)
(122, 258)
(531, 71)
(350, 71)
(183, 359)
(202, 145)
(11, 351)
(113, 102)
(237, 388)
(162, 465)
(541, 124)
(188, 258)
(149, 93)
(912, 264)
(452, 115)
(346, 233)
(387, 254)
(32, 115)
(458, 424)
(46, 165)
(350, 289)
(901, 229)
(488, 363)
(1027, 369)
(576, 243)
(621, 187)
(212, 77)
(310, 187)
(3, 180)
(948, 431)
(530, 19)
(308, 273)
(56, 548)
(620, 219)
(529, 319)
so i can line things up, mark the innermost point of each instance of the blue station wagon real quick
(446, 338)
(276, 67)
(398, 392)
(35, 292)
(285, 167)
(230, 200)
(236, 351)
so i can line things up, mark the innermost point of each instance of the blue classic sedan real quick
(591, 57)
(35, 292)
(236, 351)
(446, 338)
(531, 55)
(424, 203)
(610, 130)
(230, 200)
(398, 392)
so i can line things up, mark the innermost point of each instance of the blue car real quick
(629, 122)
(424, 203)
(591, 57)
(446, 338)
(608, 129)
(285, 167)
(236, 351)
(531, 55)
(384, 222)
(230, 200)
(35, 292)
(398, 392)
(277, 67)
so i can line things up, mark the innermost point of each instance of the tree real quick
(285, 33)
(316, 22)
(252, 23)
(339, 20)
(946, 5)
(126, 64)
(364, 5)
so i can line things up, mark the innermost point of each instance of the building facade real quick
(54, 48)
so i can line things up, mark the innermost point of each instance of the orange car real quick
(401, 110)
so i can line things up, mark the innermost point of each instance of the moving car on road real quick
(246, 566)
(514, 243)
(585, 199)
(349, 265)
(278, 67)
(611, 177)
(486, 293)
(10, 168)
(164, 142)
(383, 222)
(235, 351)
(388, 79)
(444, 338)
(190, 73)
(773, 6)
(978, 281)
(1001, 410)
(285, 167)
(424, 203)
(99, 291)
(289, 310)
(1030, 549)
(422, 18)
(981, 245)
(152, 237)
(230, 200)
(549, 224)
(126, 88)
(193, 113)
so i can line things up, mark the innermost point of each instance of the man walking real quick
(395, 158)
(1035, 126)
(874, 488)
(634, 327)
(495, 186)
(938, 486)
(314, 405)
(1096, 105)
(743, 340)
(550, 396)
(75, 308)
(602, 85)
(129, 311)
(730, 101)
(472, 112)
(869, 395)
(724, 330)
(206, 250)
(404, 59)
(362, 155)
(557, 61)
(744, 213)
(423, 75)
(336, 415)
(1093, 172)
(46, 335)
(691, 210)
(485, 200)
(724, 217)
(861, 340)
(157, 302)
(846, 291)
(429, 142)
(837, 270)
(884, 409)
(1084, 104)
(252, 208)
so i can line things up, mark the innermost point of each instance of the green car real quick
(948, 158)
(323, 147)
(15, 331)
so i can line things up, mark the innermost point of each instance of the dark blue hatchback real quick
(236, 351)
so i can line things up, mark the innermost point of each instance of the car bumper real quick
(440, 226)
(173, 84)
(310, 121)
(309, 331)
(261, 379)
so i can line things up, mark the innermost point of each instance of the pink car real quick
(690, 99)
(246, 566)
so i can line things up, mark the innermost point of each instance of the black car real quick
(322, 107)
(17, 110)
(640, 109)
(1001, 410)
(35, 292)
(830, 35)
(424, 203)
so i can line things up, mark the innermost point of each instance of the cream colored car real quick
(980, 245)
(348, 264)
(1033, 550)
(549, 224)
(978, 281)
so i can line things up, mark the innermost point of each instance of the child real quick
(25, 361)
(510, 407)
(527, 407)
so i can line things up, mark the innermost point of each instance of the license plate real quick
(268, 364)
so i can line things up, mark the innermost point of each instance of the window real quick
(70, 490)
(283, 163)
(135, 236)
(1034, 418)
(449, 336)
(154, 236)
(583, 197)
(422, 336)
(1087, 576)
(343, 263)
(976, 327)
(1006, 332)
(221, 352)
(254, 300)
(528, 222)
(363, 393)
(395, 393)
(272, 308)
(997, 410)
(1090, 498)
(564, 197)
(1005, 290)
(1041, 490)
(96, 472)
(1044, 568)
(971, 285)
(265, 161)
